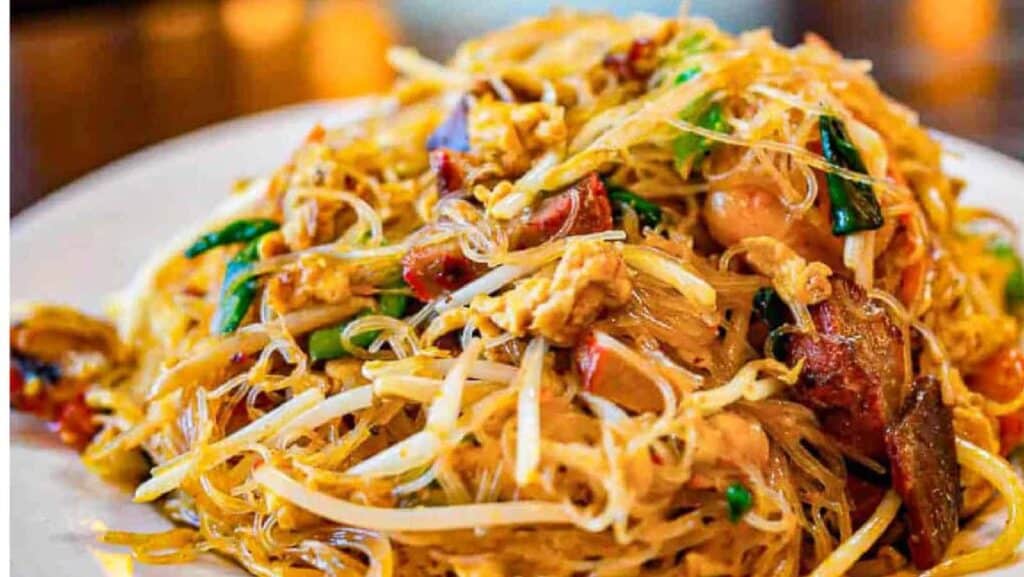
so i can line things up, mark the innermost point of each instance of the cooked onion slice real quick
(420, 519)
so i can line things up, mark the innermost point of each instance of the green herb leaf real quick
(709, 117)
(776, 343)
(1013, 292)
(687, 74)
(237, 292)
(325, 344)
(649, 213)
(770, 308)
(854, 205)
(739, 500)
(243, 230)
(692, 44)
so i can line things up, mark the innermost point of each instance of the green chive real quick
(769, 307)
(243, 230)
(237, 292)
(649, 213)
(692, 44)
(708, 117)
(687, 74)
(854, 205)
(1013, 292)
(325, 344)
(776, 343)
(739, 501)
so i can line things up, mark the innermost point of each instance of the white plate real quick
(83, 243)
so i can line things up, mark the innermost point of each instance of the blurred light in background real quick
(92, 80)
(175, 21)
(954, 28)
(953, 63)
(348, 42)
(261, 24)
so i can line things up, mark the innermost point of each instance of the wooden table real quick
(93, 83)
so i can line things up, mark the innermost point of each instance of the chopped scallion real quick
(706, 116)
(769, 307)
(649, 213)
(854, 205)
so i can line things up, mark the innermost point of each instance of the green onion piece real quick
(776, 343)
(243, 230)
(649, 213)
(687, 74)
(769, 307)
(393, 304)
(1013, 292)
(709, 117)
(739, 501)
(854, 205)
(692, 44)
(325, 344)
(237, 292)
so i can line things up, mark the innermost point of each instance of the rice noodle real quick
(432, 519)
(169, 475)
(870, 532)
(998, 473)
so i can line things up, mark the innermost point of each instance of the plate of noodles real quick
(598, 296)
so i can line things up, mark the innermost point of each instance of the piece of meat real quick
(590, 279)
(56, 353)
(864, 497)
(922, 453)
(434, 269)
(453, 133)
(75, 424)
(635, 63)
(449, 169)
(594, 214)
(853, 369)
(604, 372)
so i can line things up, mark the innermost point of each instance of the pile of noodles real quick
(485, 458)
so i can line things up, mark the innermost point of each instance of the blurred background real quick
(92, 81)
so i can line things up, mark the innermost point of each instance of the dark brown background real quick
(92, 81)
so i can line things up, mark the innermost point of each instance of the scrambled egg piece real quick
(312, 281)
(514, 134)
(589, 279)
(311, 220)
(794, 278)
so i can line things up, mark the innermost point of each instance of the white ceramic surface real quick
(83, 243)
